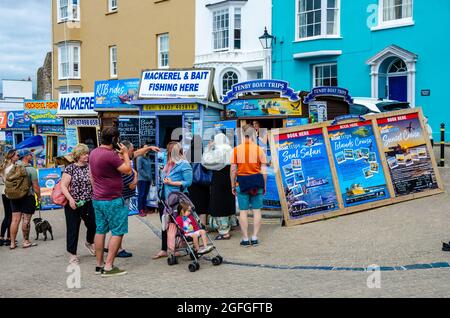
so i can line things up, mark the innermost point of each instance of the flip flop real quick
(12, 247)
(221, 237)
(30, 245)
(159, 256)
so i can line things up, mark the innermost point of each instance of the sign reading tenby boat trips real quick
(195, 83)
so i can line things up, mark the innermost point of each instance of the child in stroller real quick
(178, 239)
(190, 228)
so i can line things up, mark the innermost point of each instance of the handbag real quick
(152, 197)
(58, 196)
(200, 175)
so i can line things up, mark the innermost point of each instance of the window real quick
(396, 10)
(398, 66)
(220, 29)
(69, 61)
(113, 61)
(237, 28)
(325, 75)
(228, 80)
(317, 18)
(163, 51)
(112, 5)
(68, 10)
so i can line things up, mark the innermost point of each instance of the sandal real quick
(12, 247)
(221, 237)
(160, 255)
(30, 245)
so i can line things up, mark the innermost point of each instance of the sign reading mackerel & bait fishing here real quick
(329, 169)
(191, 83)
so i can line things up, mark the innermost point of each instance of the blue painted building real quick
(396, 49)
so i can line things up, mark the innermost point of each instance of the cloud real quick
(25, 37)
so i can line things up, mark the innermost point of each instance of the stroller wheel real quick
(215, 261)
(197, 265)
(192, 267)
(220, 259)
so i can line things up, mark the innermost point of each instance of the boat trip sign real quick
(76, 104)
(195, 83)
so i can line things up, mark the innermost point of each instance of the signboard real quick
(292, 122)
(171, 107)
(116, 93)
(3, 120)
(138, 130)
(318, 111)
(305, 173)
(17, 119)
(49, 129)
(359, 170)
(43, 117)
(408, 158)
(384, 159)
(195, 83)
(41, 104)
(62, 146)
(77, 104)
(72, 138)
(261, 86)
(328, 91)
(263, 107)
(48, 178)
(83, 122)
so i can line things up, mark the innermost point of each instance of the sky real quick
(25, 38)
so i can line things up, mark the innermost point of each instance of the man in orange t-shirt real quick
(248, 172)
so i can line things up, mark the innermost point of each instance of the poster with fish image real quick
(305, 173)
(405, 148)
(48, 178)
(360, 176)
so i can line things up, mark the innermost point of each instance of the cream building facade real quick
(116, 39)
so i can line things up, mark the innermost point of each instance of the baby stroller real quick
(176, 240)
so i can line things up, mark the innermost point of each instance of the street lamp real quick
(267, 40)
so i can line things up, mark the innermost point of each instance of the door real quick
(398, 88)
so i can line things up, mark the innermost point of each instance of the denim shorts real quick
(247, 201)
(111, 216)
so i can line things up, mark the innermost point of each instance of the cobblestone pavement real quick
(314, 260)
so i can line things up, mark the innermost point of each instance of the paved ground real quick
(321, 259)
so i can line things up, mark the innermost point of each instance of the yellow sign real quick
(43, 104)
(173, 107)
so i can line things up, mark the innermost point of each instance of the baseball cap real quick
(24, 152)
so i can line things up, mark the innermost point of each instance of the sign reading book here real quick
(326, 170)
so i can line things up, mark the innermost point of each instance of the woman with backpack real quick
(21, 185)
(5, 168)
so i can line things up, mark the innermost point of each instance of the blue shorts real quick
(111, 216)
(247, 201)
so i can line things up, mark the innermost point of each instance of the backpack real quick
(17, 183)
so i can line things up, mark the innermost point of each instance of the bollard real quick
(442, 163)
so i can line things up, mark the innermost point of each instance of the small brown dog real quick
(42, 226)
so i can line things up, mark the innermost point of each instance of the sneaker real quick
(124, 254)
(2, 242)
(6, 242)
(254, 242)
(205, 250)
(115, 271)
(245, 243)
(446, 247)
(98, 270)
(90, 248)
